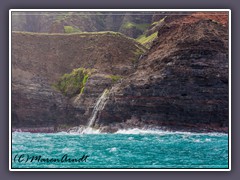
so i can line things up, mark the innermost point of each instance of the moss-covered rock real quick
(74, 82)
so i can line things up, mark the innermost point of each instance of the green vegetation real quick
(73, 83)
(115, 78)
(158, 22)
(147, 40)
(129, 25)
(84, 34)
(82, 90)
(138, 52)
(70, 29)
(154, 23)
(143, 39)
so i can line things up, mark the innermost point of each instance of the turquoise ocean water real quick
(125, 149)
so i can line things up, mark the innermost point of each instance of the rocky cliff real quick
(182, 82)
(40, 60)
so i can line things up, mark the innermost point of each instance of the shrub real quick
(74, 82)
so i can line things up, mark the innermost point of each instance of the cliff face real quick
(39, 60)
(36, 104)
(181, 82)
(51, 56)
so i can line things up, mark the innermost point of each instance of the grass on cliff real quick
(70, 29)
(138, 52)
(158, 22)
(129, 25)
(147, 40)
(115, 78)
(144, 40)
(101, 33)
(73, 83)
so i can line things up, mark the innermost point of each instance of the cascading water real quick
(97, 108)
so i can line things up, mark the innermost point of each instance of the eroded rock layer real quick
(181, 82)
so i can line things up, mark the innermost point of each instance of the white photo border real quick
(119, 169)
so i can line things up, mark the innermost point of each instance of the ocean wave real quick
(164, 132)
(89, 130)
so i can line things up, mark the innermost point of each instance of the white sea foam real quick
(66, 150)
(113, 149)
(138, 131)
(84, 130)
(197, 140)
(90, 130)
(163, 132)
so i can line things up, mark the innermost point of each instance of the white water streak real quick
(98, 107)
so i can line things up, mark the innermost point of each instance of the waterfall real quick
(96, 110)
(98, 107)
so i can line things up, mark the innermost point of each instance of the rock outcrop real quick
(181, 82)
